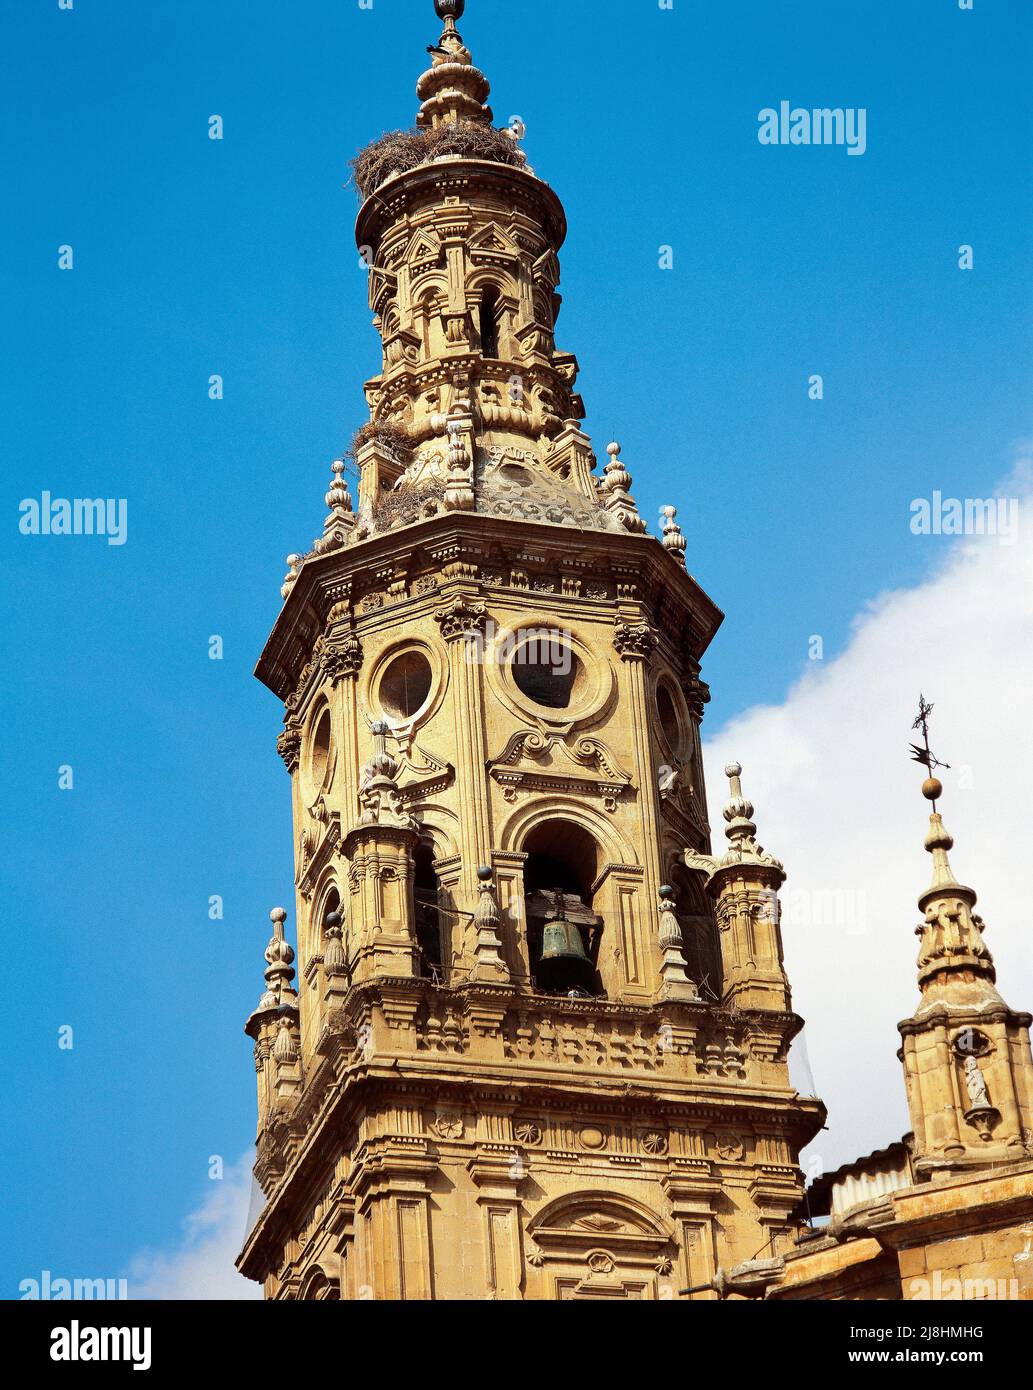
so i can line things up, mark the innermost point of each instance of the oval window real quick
(405, 685)
(319, 750)
(669, 722)
(547, 670)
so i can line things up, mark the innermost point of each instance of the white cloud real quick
(838, 801)
(200, 1265)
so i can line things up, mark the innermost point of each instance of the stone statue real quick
(976, 1083)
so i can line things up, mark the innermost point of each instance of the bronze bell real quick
(563, 963)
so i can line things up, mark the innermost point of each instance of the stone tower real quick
(538, 1045)
(966, 1054)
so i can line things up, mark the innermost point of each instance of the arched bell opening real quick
(488, 322)
(700, 941)
(430, 955)
(563, 929)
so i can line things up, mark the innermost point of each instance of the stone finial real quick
(616, 479)
(379, 796)
(673, 973)
(341, 518)
(673, 540)
(293, 570)
(279, 993)
(741, 833)
(459, 494)
(338, 494)
(279, 955)
(613, 491)
(487, 920)
(286, 1048)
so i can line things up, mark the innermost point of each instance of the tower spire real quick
(452, 89)
(951, 934)
(966, 1056)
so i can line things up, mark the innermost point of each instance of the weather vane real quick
(922, 753)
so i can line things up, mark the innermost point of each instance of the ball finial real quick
(484, 873)
(278, 914)
(932, 789)
(449, 9)
(733, 770)
(613, 449)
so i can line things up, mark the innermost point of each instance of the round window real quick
(547, 670)
(405, 685)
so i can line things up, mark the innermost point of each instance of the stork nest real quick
(408, 504)
(394, 439)
(400, 150)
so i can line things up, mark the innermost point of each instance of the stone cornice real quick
(624, 561)
(433, 182)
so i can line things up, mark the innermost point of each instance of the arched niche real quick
(700, 938)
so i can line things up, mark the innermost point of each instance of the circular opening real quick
(547, 670)
(513, 473)
(319, 750)
(405, 685)
(669, 722)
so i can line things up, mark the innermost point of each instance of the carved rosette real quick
(634, 641)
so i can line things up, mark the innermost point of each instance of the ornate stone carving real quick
(634, 641)
(547, 762)
(462, 617)
(447, 1126)
(342, 659)
(379, 796)
(731, 1148)
(288, 745)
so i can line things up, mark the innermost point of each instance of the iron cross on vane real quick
(922, 753)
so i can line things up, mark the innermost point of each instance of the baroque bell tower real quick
(537, 1046)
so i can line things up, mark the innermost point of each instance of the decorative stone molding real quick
(342, 659)
(288, 745)
(634, 641)
(461, 618)
(534, 761)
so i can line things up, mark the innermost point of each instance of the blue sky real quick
(195, 257)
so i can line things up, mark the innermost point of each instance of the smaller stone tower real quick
(966, 1054)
